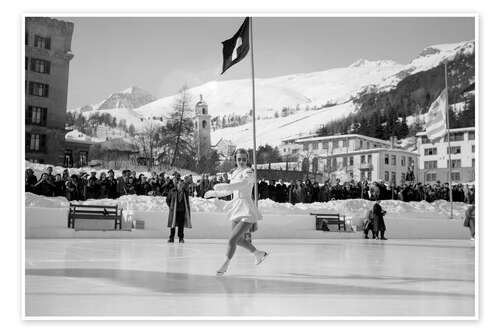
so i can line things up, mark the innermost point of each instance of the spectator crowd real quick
(85, 186)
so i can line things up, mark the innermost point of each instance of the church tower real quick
(202, 128)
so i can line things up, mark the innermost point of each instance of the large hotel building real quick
(47, 57)
(435, 156)
(355, 157)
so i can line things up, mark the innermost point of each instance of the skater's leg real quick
(238, 231)
(246, 244)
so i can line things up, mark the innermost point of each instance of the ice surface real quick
(322, 277)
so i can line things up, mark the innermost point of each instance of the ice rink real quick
(313, 277)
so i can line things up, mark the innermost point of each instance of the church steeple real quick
(202, 128)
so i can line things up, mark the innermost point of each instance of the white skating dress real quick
(242, 206)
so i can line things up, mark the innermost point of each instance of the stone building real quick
(201, 122)
(47, 57)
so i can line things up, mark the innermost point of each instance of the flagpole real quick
(256, 194)
(448, 135)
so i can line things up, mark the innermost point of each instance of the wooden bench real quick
(329, 219)
(94, 217)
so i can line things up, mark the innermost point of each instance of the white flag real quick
(435, 120)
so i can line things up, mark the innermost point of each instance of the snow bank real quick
(352, 208)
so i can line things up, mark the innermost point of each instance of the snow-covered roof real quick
(452, 130)
(343, 136)
(79, 137)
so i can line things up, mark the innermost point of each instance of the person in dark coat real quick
(179, 211)
(44, 186)
(368, 224)
(378, 220)
(121, 184)
(72, 192)
(470, 220)
(30, 180)
(60, 187)
(111, 185)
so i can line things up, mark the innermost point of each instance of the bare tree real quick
(149, 140)
(182, 110)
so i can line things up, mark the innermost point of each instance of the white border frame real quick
(266, 13)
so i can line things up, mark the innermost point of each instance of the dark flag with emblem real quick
(236, 48)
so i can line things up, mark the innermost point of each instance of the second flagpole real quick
(256, 194)
(448, 135)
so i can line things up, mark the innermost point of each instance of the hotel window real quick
(403, 178)
(363, 159)
(315, 145)
(430, 151)
(473, 148)
(386, 159)
(344, 161)
(351, 175)
(38, 89)
(40, 66)
(430, 177)
(425, 139)
(473, 162)
(360, 144)
(351, 160)
(455, 176)
(453, 149)
(36, 115)
(472, 135)
(403, 161)
(35, 142)
(393, 159)
(386, 176)
(430, 164)
(305, 147)
(393, 177)
(456, 137)
(42, 42)
(370, 158)
(369, 175)
(410, 161)
(83, 158)
(454, 163)
(325, 145)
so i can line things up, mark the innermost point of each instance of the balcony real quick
(366, 166)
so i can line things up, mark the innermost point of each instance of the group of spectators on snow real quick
(85, 186)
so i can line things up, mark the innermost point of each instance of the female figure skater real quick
(242, 211)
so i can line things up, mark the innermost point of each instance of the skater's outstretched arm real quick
(238, 183)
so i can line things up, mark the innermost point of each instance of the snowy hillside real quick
(306, 91)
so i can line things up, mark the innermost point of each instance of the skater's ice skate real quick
(260, 256)
(223, 269)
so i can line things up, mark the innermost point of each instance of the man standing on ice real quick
(179, 212)
(378, 220)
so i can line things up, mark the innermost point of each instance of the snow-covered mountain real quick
(129, 98)
(317, 97)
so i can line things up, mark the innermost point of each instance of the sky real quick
(161, 54)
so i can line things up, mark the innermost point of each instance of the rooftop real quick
(452, 130)
(343, 136)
